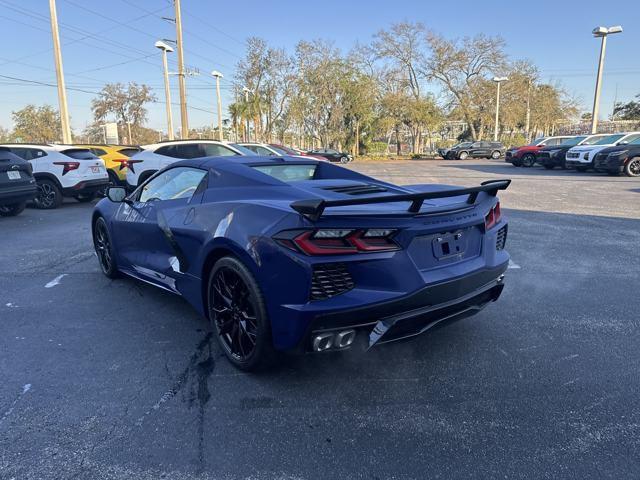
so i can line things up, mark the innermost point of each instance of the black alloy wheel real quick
(238, 314)
(104, 249)
(632, 169)
(49, 195)
(528, 160)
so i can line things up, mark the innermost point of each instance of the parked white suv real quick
(581, 157)
(158, 155)
(63, 171)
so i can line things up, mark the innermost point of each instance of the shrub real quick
(376, 148)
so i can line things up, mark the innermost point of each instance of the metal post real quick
(596, 98)
(528, 118)
(495, 131)
(62, 91)
(167, 95)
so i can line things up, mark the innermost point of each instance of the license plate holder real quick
(95, 169)
(13, 175)
(449, 244)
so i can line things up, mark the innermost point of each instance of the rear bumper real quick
(413, 314)
(23, 193)
(87, 186)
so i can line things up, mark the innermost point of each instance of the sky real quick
(112, 41)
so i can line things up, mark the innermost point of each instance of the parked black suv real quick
(619, 159)
(332, 155)
(465, 150)
(17, 185)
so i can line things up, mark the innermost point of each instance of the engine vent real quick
(501, 238)
(357, 189)
(329, 280)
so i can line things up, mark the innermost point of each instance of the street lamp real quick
(498, 80)
(167, 93)
(218, 76)
(602, 32)
(246, 102)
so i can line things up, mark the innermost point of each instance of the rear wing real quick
(314, 208)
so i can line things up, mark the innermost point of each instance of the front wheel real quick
(495, 155)
(104, 248)
(463, 155)
(12, 210)
(344, 160)
(632, 169)
(239, 315)
(528, 160)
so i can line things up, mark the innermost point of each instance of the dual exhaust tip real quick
(333, 340)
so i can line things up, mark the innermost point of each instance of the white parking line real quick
(6, 414)
(513, 265)
(55, 281)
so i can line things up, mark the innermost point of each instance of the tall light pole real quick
(184, 121)
(601, 32)
(246, 102)
(62, 91)
(218, 76)
(167, 91)
(498, 80)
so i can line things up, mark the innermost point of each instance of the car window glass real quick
(264, 151)
(632, 138)
(167, 150)
(79, 154)
(98, 151)
(128, 152)
(172, 184)
(485, 144)
(476, 145)
(213, 150)
(188, 150)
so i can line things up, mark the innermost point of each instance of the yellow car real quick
(115, 159)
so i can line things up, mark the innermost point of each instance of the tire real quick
(344, 160)
(49, 195)
(12, 210)
(85, 198)
(496, 155)
(528, 160)
(234, 297)
(632, 168)
(104, 248)
(516, 162)
(463, 155)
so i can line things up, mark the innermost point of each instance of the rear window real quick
(129, 152)
(288, 173)
(79, 154)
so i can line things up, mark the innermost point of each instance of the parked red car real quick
(525, 156)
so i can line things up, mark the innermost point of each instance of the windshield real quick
(288, 173)
(570, 142)
(592, 140)
(537, 141)
(611, 139)
(242, 150)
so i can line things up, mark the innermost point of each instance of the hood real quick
(620, 148)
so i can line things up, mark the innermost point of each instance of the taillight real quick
(336, 241)
(129, 162)
(68, 166)
(493, 217)
(124, 163)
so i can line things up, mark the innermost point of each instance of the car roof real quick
(183, 142)
(212, 162)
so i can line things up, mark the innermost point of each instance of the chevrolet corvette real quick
(286, 254)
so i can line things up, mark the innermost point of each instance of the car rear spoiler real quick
(313, 208)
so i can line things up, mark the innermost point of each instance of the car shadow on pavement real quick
(508, 169)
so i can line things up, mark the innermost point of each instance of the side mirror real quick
(624, 142)
(116, 194)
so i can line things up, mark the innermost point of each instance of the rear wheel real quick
(104, 248)
(495, 155)
(239, 316)
(632, 168)
(528, 160)
(12, 210)
(49, 195)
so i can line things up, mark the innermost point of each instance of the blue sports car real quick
(285, 254)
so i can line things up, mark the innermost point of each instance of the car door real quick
(146, 230)
(476, 149)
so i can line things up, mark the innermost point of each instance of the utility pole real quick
(167, 91)
(62, 91)
(184, 121)
(602, 32)
(498, 80)
(246, 103)
(218, 76)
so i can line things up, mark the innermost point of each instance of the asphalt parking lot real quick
(118, 380)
